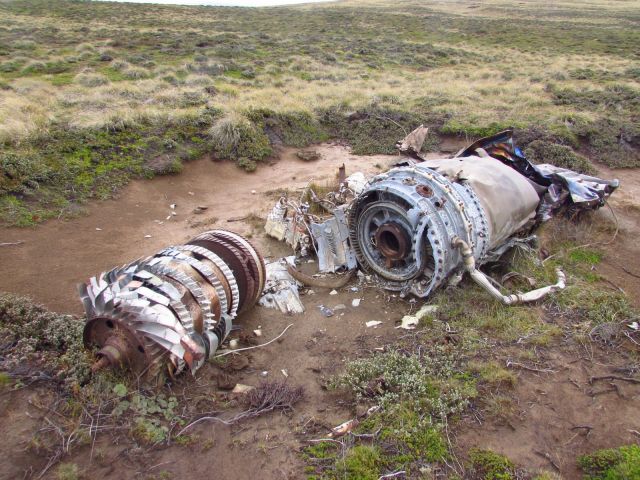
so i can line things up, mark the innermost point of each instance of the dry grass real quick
(491, 82)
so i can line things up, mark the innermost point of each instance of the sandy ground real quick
(58, 254)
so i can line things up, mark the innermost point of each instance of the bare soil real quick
(538, 433)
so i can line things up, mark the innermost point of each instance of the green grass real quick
(620, 463)
(419, 395)
(489, 465)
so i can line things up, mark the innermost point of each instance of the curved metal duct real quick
(403, 223)
(173, 309)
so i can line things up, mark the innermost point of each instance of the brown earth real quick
(58, 254)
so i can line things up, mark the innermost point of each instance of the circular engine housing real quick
(402, 224)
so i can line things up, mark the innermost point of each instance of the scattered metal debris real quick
(325, 311)
(173, 309)
(425, 223)
(281, 289)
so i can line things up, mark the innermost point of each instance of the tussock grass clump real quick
(91, 79)
(235, 137)
(563, 156)
(489, 465)
(135, 73)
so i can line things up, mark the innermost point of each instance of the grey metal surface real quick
(158, 311)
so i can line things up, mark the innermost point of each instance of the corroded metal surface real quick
(170, 311)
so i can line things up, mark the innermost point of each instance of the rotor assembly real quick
(170, 311)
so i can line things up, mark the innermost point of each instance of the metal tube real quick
(482, 280)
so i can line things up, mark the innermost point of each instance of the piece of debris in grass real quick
(410, 322)
(373, 323)
(355, 302)
(284, 372)
(257, 332)
(344, 428)
(333, 292)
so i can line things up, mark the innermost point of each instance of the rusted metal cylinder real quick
(170, 311)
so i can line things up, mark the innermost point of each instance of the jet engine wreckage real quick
(170, 311)
(413, 229)
(423, 224)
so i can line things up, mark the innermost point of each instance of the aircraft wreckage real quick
(424, 223)
(170, 311)
(413, 229)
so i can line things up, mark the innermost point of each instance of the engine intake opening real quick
(392, 241)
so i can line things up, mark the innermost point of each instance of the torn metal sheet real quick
(563, 187)
(332, 243)
(281, 290)
(170, 311)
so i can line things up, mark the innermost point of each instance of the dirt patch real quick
(553, 417)
(58, 254)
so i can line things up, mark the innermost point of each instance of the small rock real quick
(355, 302)
(264, 373)
(240, 388)
(257, 332)
(234, 343)
(253, 192)
(333, 292)
(308, 155)
(147, 236)
(284, 372)
(98, 229)
(173, 206)
(373, 323)
(340, 306)
(200, 209)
